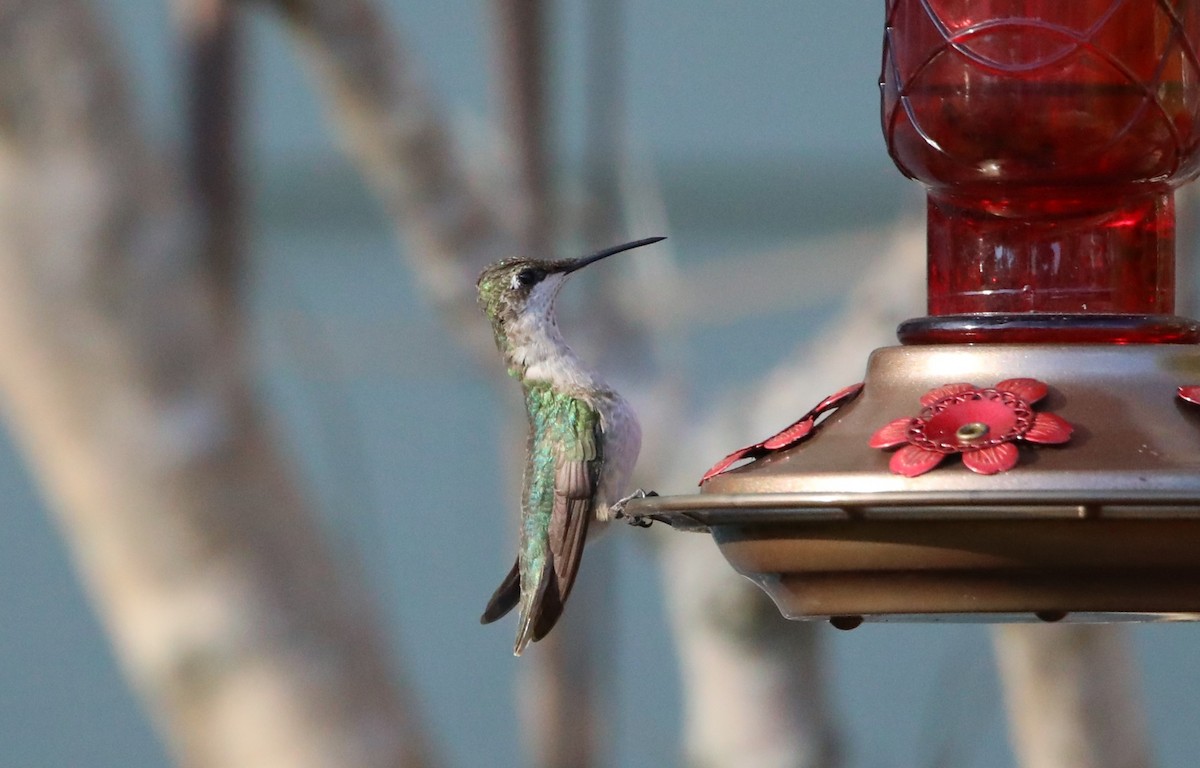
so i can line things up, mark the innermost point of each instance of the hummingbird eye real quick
(528, 276)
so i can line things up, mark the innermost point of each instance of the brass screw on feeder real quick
(969, 433)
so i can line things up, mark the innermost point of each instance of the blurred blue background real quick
(761, 122)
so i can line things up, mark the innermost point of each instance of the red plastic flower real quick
(1190, 393)
(796, 433)
(981, 424)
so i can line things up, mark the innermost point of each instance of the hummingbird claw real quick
(618, 509)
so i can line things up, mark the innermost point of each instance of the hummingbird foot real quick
(618, 508)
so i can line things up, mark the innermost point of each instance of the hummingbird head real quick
(517, 292)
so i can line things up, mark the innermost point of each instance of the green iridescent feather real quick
(562, 436)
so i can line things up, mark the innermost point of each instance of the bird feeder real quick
(1031, 450)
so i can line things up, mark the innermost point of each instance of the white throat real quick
(537, 347)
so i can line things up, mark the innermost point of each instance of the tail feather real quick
(541, 612)
(531, 611)
(551, 609)
(505, 598)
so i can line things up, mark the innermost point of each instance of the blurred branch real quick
(209, 35)
(557, 694)
(1072, 696)
(758, 693)
(403, 147)
(131, 397)
(520, 84)
(756, 686)
(604, 124)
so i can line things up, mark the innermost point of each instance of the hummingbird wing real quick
(574, 491)
(561, 485)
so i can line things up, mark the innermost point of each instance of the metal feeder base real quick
(1103, 528)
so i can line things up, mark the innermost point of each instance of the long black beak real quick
(582, 262)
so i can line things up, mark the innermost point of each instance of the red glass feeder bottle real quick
(1050, 136)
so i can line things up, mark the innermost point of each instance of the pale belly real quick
(622, 442)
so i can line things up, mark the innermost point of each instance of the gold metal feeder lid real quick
(1104, 527)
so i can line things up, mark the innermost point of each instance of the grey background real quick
(760, 120)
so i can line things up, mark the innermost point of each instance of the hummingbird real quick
(583, 439)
